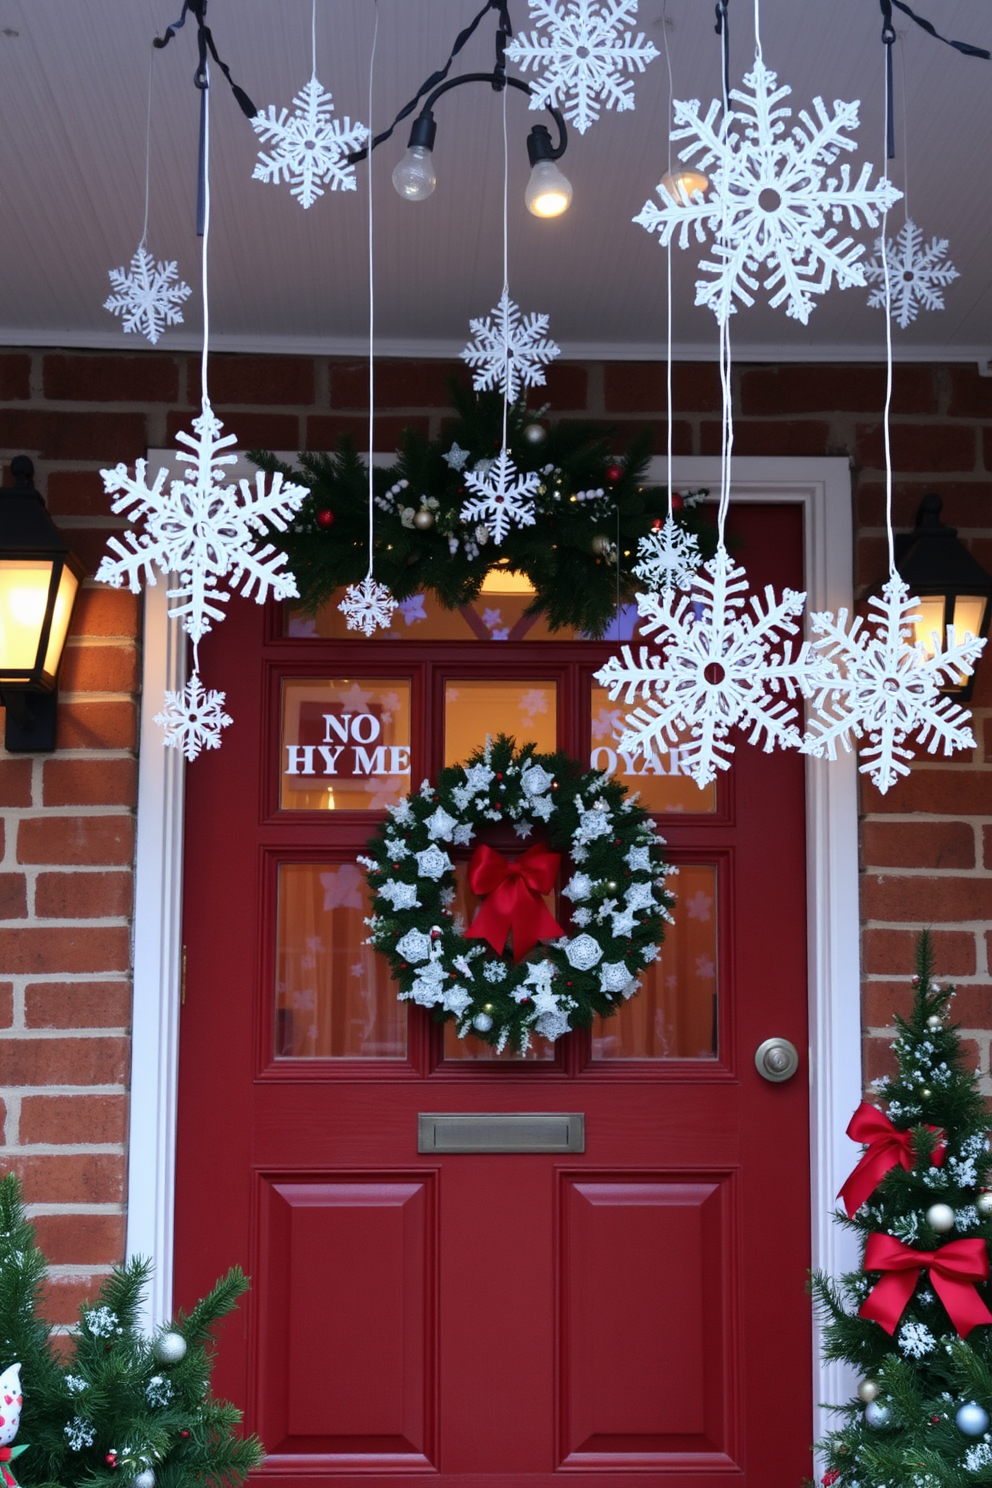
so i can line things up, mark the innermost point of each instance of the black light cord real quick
(722, 28)
(965, 47)
(205, 42)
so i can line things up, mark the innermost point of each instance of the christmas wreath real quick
(590, 512)
(470, 973)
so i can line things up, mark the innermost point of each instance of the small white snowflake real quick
(715, 672)
(882, 685)
(587, 55)
(368, 606)
(510, 350)
(668, 558)
(916, 1340)
(918, 272)
(147, 298)
(310, 148)
(773, 201)
(80, 1433)
(192, 719)
(159, 1390)
(101, 1322)
(502, 497)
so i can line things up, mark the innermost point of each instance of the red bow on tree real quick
(887, 1148)
(954, 1270)
(512, 898)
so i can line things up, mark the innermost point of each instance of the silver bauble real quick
(170, 1348)
(935, 1021)
(144, 1479)
(877, 1414)
(972, 1420)
(535, 433)
(423, 519)
(984, 1204)
(482, 1022)
(601, 545)
(925, 1094)
(940, 1217)
(868, 1391)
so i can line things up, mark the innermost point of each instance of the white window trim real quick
(822, 486)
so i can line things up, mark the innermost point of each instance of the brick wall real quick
(67, 820)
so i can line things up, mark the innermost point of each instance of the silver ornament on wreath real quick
(877, 1415)
(984, 1204)
(144, 1479)
(972, 1420)
(169, 1348)
(868, 1391)
(941, 1217)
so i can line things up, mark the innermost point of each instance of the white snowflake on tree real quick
(368, 606)
(310, 148)
(192, 719)
(503, 498)
(719, 667)
(884, 686)
(668, 558)
(199, 528)
(588, 56)
(918, 272)
(510, 350)
(774, 200)
(148, 298)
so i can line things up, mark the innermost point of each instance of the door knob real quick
(776, 1059)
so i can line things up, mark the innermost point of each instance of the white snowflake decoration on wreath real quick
(503, 498)
(918, 273)
(774, 201)
(193, 718)
(199, 528)
(719, 667)
(883, 685)
(368, 606)
(587, 54)
(148, 298)
(668, 558)
(309, 147)
(510, 350)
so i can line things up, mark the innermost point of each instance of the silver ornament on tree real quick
(972, 1420)
(935, 1021)
(169, 1348)
(535, 433)
(145, 1479)
(423, 519)
(868, 1391)
(984, 1204)
(941, 1217)
(878, 1415)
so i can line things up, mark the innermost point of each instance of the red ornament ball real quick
(325, 518)
(614, 473)
(678, 502)
(657, 525)
(184, 1434)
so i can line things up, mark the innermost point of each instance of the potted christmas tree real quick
(914, 1321)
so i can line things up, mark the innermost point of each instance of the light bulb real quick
(414, 177)
(682, 184)
(549, 192)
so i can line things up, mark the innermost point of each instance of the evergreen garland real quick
(591, 509)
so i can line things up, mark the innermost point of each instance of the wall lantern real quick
(39, 578)
(954, 590)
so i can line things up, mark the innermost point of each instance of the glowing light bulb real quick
(549, 192)
(683, 183)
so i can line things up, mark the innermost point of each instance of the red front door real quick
(632, 1312)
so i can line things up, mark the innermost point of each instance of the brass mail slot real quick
(501, 1131)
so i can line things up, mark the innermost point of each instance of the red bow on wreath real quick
(887, 1148)
(6, 1476)
(512, 898)
(954, 1270)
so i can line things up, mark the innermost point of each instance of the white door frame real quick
(822, 486)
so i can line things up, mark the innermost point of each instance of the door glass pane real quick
(659, 780)
(528, 710)
(499, 614)
(345, 743)
(335, 997)
(674, 1013)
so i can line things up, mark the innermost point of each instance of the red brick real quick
(83, 725)
(972, 1007)
(77, 1004)
(92, 378)
(769, 437)
(966, 503)
(72, 1120)
(640, 387)
(254, 379)
(72, 1178)
(63, 435)
(49, 951)
(72, 782)
(3, 1123)
(918, 844)
(823, 389)
(65, 1061)
(76, 839)
(15, 782)
(6, 1004)
(877, 1059)
(324, 430)
(880, 1001)
(925, 899)
(893, 952)
(567, 386)
(15, 377)
(102, 611)
(920, 447)
(971, 1056)
(80, 1239)
(62, 1297)
(987, 846)
(272, 431)
(971, 394)
(628, 430)
(76, 493)
(934, 792)
(398, 384)
(871, 563)
(13, 896)
(99, 669)
(88, 543)
(78, 896)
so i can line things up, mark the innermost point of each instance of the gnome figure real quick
(10, 1418)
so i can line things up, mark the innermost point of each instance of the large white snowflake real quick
(510, 350)
(368, 606)
(192, 719)
(310, 148)
(503, 498)
(918, 272)
(200, 529)
(147, 298)
(588, 56)
(774, 200)
(719, 667)
(883, 685)
(668, 558)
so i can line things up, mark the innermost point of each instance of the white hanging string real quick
(313, 40)
(506, 269)
(727, 419)
(148, 147)
(886, 431)
(375, 37)
(670, 402)
(205, 242)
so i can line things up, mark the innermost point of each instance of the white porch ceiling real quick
(72, 135)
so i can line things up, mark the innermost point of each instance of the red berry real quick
(614, 473)
(184, 1434)
(935, 1420)
(111, 1459)
(657, 525)
(325, 518)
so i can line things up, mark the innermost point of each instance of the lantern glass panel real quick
(969, 612)
(928, 622)
(62, 614)
(24, 588)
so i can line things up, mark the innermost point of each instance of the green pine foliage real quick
(924, 1372)
(99, 1407)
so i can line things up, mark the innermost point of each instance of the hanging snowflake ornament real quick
(586, 54)
(368, 606)
(510, 350)
(775, 199)
(918, 273)
(503, 498)
(148, 298)
(193, 718)
(720, 666)
(884, 686)
(310, 149)
(669, 558)
(201, 529)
